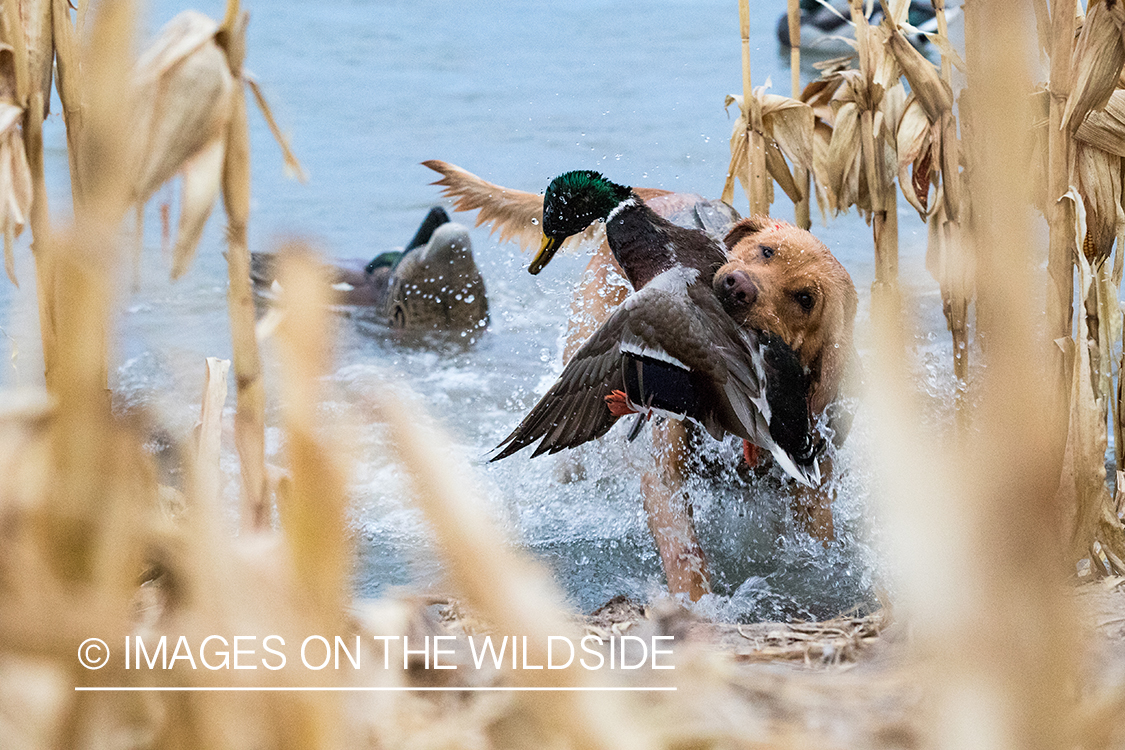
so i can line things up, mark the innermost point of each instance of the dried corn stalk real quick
(1088, 433)
(786, 131)
(25, 67)
(800, 174)
(929, 148)
(193, 121)
(748, 147)
(858, 166)
(314, 510)
(1060, 218)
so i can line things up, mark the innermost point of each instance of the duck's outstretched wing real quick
(676, 352)
(515, 214)
(574, 410)
(657, 352)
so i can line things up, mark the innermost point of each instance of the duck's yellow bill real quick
(546, 251)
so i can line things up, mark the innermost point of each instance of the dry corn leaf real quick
(789, 123)
(779, 170)
(202, 178)
(916, 168)
(844, 164)
(1097, 61)
(893, 106)
(1105, 128)
(293, 167)
(185, 90)
(787, 132)
(742, 138)
(187, 87)
(925, 82)
(822, 139)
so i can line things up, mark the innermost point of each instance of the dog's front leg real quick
(669, 514)
(600, 292)
(812, 506)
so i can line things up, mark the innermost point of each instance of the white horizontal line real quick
(129, 689)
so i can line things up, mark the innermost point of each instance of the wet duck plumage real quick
(670, 348)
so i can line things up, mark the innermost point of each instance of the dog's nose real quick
(736, 290)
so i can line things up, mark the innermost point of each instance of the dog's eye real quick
(805, 299)
(767, 251)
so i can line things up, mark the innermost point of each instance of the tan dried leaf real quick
(202, 177)
(844, 162)
(892, 107)
(925, 81)
(1105, 128)
(916, 166)
(185, 91)
(1097, 61)
(790, 123)
(779, 170)
(822, 138)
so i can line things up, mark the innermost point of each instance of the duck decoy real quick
(826, 24)
(432, 283)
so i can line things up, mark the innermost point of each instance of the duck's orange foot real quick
(618, 404)
(750, 453)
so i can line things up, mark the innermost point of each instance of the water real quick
(516, 92)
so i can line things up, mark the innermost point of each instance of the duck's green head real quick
(573, 201)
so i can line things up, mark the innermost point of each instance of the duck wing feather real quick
(574, 411)
(516, 214)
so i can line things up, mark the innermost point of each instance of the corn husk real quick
(1097, 61)
(1105, 128)
(185, 98)
(787, 133)
(917, 171)
(841, 172)
(1098, 180)
(187, 82)
(925, 83)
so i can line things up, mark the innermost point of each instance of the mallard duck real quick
(670, 349)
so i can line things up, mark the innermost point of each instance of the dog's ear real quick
(838, 353)
(745, 228)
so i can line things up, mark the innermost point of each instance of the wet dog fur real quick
(778, 278)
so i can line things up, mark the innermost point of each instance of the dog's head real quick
(783, 280)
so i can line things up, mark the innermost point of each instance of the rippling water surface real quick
(516, 92)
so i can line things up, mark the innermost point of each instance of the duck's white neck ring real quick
(627, 203)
